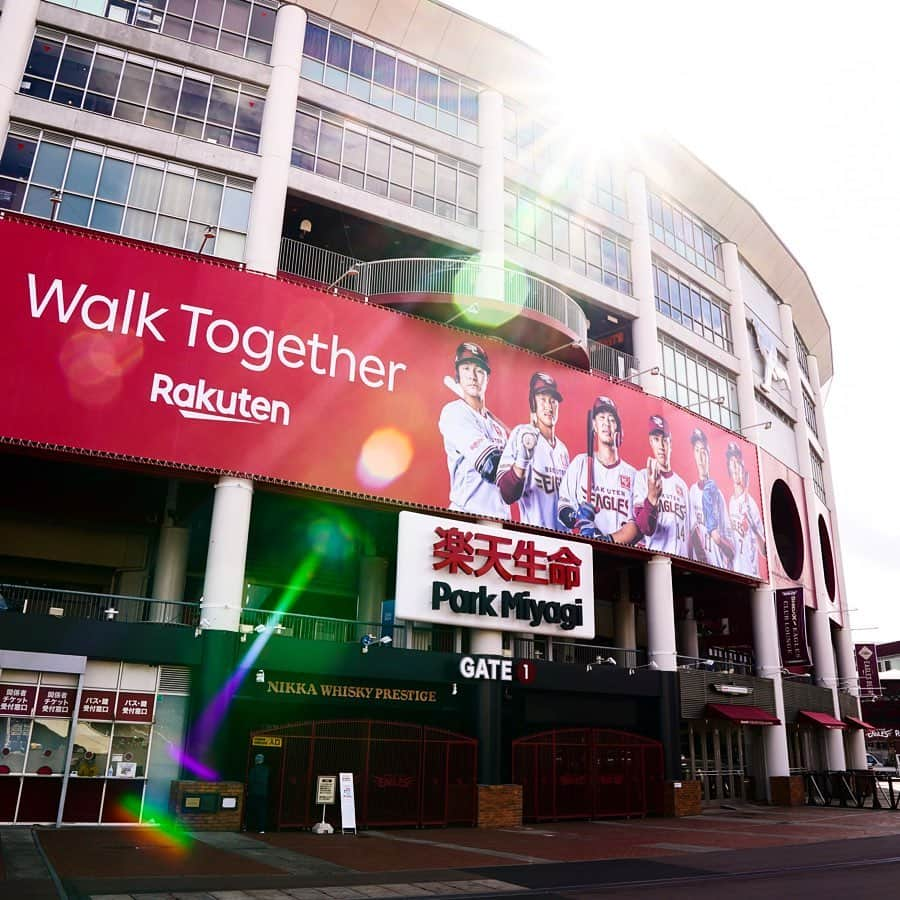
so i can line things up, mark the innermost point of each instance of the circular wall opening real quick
(787, 529)
(827, 558)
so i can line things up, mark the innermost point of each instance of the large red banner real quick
(120, 348)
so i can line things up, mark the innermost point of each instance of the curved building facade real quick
(357, 417)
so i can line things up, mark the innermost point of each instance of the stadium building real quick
(354, 416)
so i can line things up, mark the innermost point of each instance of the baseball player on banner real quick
(473, 437)
(661, 496)
(596, 497)
(535, 459)
(710, 540)
(746, 522)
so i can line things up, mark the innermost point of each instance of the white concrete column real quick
(491, 282)
(372, 586)
(643, 328)
(768, 665)
(826, 676)
(170, 572)
(275, 141)
(16, 29)
(660, 614)
(688, 638)
(739, 333)
(223, 584)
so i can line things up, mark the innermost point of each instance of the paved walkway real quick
(144, 863)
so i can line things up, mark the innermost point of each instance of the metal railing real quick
(568, 652)
(314, 263)
(311, 628)
(714, 665)
(861, 789)
(41, 601)
(611, 361)
(422, 275)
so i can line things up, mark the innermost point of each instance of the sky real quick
(796, 106)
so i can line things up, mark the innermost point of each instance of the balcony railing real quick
(40, 601)
(453, 277)
(611, 361)
(314, 263)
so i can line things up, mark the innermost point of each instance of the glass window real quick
(446, 183)
(105, 74)
(250, 113)
(130, 743)
(135, 83)
(384, 69)
(44, 58)
(406, 78)
(306, 132)
(315, 42)
(74, 66)
(207, 201)
(50, 165)
(235, 209)
(424, 175)
(355, 150)
(338, 51)
(379, 159)
(330, 141)
(692, 306)
(401, 166)
(83, 170)
(14, 739)
(18, 155)
(176, 195)
(139, 225)
(361, 60)
(90, 749)
(47, 749)
(145, 187)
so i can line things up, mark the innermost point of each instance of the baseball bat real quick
(590, 459)
(453, 386)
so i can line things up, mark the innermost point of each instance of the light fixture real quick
(605, 660)
(732, 689)
(260, 676)
(764, 425)
(613, 319)
(110, 613)
(208, 235)
(715, 401)
(369, 640)
(351, 272)
(259, 629)
(305, 228)
(471, 310)
(454, 690)
(650, 665)
(55, 200)
(654, 370)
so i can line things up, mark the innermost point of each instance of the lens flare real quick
(95, 363)
(169, 833)
(385, 456)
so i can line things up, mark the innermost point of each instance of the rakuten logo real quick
(200, 401)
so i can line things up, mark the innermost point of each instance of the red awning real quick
(742, 715)
(822, 719)
(859, 723)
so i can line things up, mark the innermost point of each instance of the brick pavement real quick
(125, 863)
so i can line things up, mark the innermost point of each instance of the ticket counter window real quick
(47, 748)
(90, 753)
(14, 735)
(130, 743)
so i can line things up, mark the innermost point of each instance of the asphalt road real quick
(851, 868)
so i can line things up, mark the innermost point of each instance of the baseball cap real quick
(545, 384)
(698, 434)
(733, 450)
(604, 404)
(658, 424)
(467, 352)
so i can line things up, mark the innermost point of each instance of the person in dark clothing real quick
(258, 795)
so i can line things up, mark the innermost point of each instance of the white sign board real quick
(325, 789)
(348, 802)
(497, 579)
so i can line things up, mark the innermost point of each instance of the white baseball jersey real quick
(712, 552)
(469, 438)
(746, 523)
(540, 492)
(613, 497)
(670, 535)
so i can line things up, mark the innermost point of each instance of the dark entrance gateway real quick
(403, 774)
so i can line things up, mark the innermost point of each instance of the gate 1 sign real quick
(477, 576)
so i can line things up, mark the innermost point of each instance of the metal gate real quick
(588, 773)
(403, 774)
